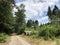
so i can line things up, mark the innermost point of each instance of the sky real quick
(37, 9)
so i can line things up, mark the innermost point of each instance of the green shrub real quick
(3, 37)
(20, 30)
(44, 33)
(34, 34)
(49, 32)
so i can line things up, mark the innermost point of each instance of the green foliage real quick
(34, 34)
(49, 31)
(20, 19)
(35, 24)
(20, 30)
(55, 10)
(3, 37)
(49, 13)
(46, 32)
(6, 16)
(54, 15)
(29, 29)
(32, 24)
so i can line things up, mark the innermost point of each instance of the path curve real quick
(16, 40)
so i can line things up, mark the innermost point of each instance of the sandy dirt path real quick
(16, 40)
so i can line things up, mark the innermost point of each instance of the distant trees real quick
(29, 23)
(20, 19)
(49, 13)
(54, 14)
(51, 30)
(36, 22)
(32, 24)
(55, 10)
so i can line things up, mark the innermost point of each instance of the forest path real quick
(17, 40)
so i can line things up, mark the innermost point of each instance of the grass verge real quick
(38, 41)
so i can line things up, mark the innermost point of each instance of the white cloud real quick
(36, 8)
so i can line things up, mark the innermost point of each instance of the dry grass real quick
(36, 41)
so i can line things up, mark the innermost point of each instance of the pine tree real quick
(53, 15)
(36, 22)
(55, 10)
(30, 23)
(49, 13)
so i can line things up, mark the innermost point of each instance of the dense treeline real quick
(54, 15)
(32, 24)
(6, 16)
(8, 23)
(6, 19)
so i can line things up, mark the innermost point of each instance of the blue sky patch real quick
(37, 9)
